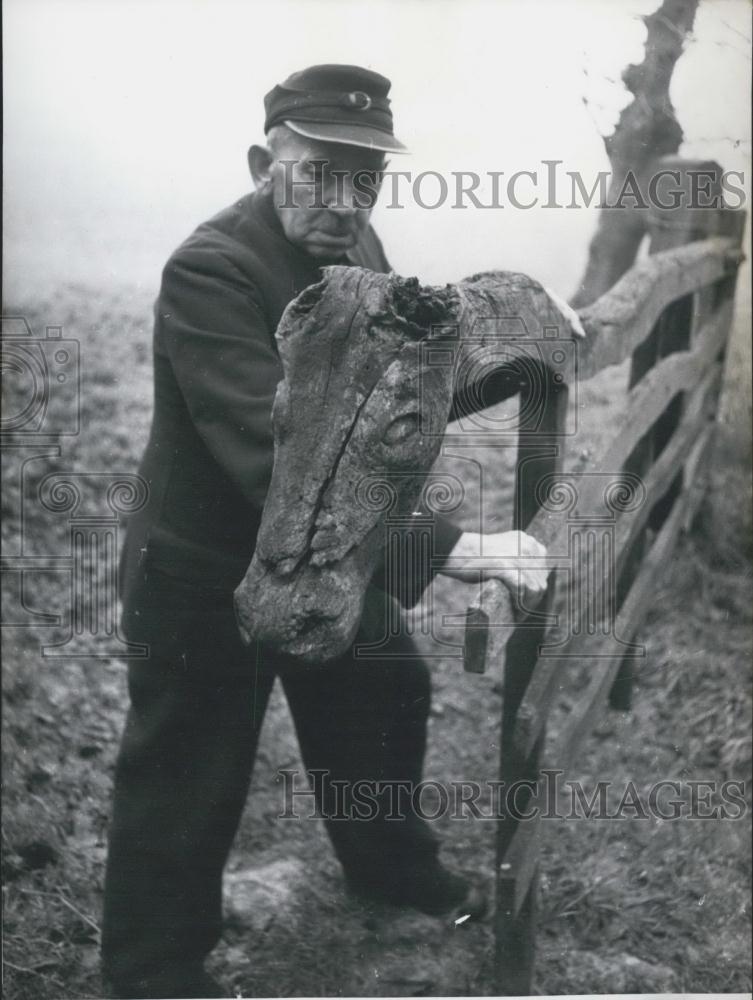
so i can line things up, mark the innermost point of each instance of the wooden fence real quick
(614, 526)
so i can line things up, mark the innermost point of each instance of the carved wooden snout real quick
(308, 612)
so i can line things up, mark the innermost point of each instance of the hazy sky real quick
(127, 121)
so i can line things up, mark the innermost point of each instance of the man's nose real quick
(340, 198)
(343, 207)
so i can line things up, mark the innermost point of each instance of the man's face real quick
(323, 192)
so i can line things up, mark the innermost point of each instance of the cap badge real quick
(358, 100)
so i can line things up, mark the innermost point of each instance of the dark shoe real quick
(435, 891)
(190, 984)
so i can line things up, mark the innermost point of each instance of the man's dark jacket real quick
(208, 462)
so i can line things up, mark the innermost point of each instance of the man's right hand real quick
(514, 557)
(521, 566)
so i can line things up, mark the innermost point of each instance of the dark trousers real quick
(182, 775)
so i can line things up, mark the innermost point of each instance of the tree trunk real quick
(647, 129)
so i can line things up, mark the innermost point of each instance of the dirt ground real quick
(637, 905)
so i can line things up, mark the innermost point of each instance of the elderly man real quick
(198, 700)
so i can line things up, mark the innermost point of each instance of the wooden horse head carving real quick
(358, 398)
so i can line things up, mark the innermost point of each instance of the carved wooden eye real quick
(401, 428)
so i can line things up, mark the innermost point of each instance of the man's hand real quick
(513, 557)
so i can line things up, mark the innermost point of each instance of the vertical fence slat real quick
(539, 454)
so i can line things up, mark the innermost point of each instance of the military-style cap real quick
(335, 103)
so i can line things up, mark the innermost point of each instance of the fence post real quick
(700, 185)
(539, 454)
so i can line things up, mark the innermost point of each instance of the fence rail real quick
(609, 529)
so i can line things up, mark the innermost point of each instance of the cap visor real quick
(349, 135)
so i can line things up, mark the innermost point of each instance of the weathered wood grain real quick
(518, 868)
(625, 316)
(699, 410)
(646, 402)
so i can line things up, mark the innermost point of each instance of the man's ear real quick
(260, 161)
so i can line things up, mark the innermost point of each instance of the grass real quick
(631, 906)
